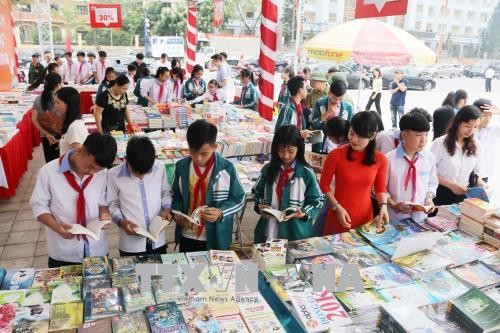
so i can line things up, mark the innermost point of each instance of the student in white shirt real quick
(156, 90)
(456, 157)
(131, 71)
(222, 75)
(99, 67)
(412, 175)
(77, 177)
(70, 69)
(175, 85)
(74, 132)
(163, 62)
(488, 76)
(138, 191)
(84, 70)
(213, 93)
(488, 137)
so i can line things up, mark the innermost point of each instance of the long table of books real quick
(454, 286)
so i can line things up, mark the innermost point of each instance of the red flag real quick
(218, 13)
(380, 8)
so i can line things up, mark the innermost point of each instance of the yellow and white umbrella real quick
(369, 42)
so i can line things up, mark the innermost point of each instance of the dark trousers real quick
(50, 152)
(192, 245)
(377, 98)
(57, 263)
(488, 85)
(445, 196)
(149, 250)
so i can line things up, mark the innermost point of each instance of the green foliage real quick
(490, 41)
(288, 22)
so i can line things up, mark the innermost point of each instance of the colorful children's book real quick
(67, 290)
(100, 326)
(477, 192)
(12, 296)
(39, 295)
(201, 257)
(133, 322)
(223, 257)
(412, 294)
(459, 253)
(93, 229)
(443, 286)
(379, 235)
(345, 240)
(232, 324)
(174, 258)
(166, 317)
(404, 317)
(155, 228)
(194, 218)
(416, 207)
(95, 266)
(8, 312)
(70, 271)
(32, 319)
(440, 223)
(386, 275)
(423, 263)
(124, 264)
(18, 279)
(459, 236)
(280, 216)
(264, 323)
(252, 304)
(476, 275)
(359, 301)
(149, 259)
(122, 280)
(135, 299)
(363, 256)
(45, 276)
(407, 227)
(95, 282)
(199, 318)
(101, 303)
(66, 316)
(308, 247)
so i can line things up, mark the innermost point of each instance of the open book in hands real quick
(93, 229)
(418, 207)
(279, 215)
(155, 228)
(195, 217)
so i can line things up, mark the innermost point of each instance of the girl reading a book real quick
(287, 181)
(357, 167)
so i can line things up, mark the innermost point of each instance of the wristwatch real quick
(334, 207)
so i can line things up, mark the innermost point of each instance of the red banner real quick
(218, 13)
(380, 8)
(105, 15)
(8, 59)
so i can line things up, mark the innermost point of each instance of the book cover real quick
(412, 294)
(403, 317)
(386, 275)
(199, 318)
(174, 258)
(165, 318)
(363, 256)
(359, 301)
(318, 312)
(440, 223)
(45, 276)
(67, 290)
(18, 279)
(443, 286)
(32, 319)
(133, 322)
(422, 263)
(477, 192)
(102, 303)
(135, 299)
(124, 264)
(221, 303)
(286, 277)
(223, 257)
(97, 326)
(492, 261)
(476, 275)
(459, 236)
(39, 295)
(122, 280)
(459, 253)
(437, 313)
(345, 240)
(2, 274)
(149, 259)
(200, 257)
(478, 311)
(232, 324)
(8, 315)
(252, 304)
(486, 246)
(308, 247)
(174, 294)
(95, 282)
(383, 235)
(264, 323)
(66, 316)
(70, 271)
(93, 266)
(493, 293)
(12, 296)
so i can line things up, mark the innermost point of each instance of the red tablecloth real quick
(86, 101)
(16, 154)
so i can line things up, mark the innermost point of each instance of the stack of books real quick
(270, 254)
(491, 233)
(474, 213)
(475, 312)
(451, 212)
(440, 223)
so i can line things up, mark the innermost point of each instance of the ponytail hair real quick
(52, 80)
(245, 72)
(195, 70)
(214, 82)
(178, 72)
(160, 71)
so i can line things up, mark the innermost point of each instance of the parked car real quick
(442, 71)
(353, 78)
(120, 63)
(253, 64)
(416, 78)
(460, 68)
(482, 65)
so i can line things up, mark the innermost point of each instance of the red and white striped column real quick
(191, 37)
(267, 58)
(15, 65)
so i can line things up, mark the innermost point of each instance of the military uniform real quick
(35, 72)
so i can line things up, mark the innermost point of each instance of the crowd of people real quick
(369, 173)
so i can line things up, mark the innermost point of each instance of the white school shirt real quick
(131, 85)
(456, 168)
(53, 195)
(488, 138)
(426, 182)
(386, 140)
(139, 201)
(489, 74)
(177, 95)
(221, 96)
(69, 71)
(151, 88)
(77, 133)
(100, 69)
(82, 69)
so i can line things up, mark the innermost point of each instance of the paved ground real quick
(22, 239)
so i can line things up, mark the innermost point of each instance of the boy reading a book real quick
(137, 192)
(72, 190)
(412, 175)
(205, 179)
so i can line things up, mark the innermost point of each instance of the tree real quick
(205, 17)
(238, 9)
(490, 41)
(167, 19)
(288, 22)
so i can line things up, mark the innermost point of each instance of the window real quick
(469, 31)
(82, 10)
(457, 14)
(429, 27)
(455, 30)
(431, 11)
(249, 15)
(420, 8)
(333, 17)
(418, 25)
(24, 7)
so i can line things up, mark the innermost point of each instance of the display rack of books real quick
(13, 106)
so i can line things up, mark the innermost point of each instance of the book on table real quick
(416, 207)
(279, 215)
(154, 230)
(93, 229)
(194, 218)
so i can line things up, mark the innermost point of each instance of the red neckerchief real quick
(80, 70)
(298, 109)
(160, 93)
(103, 68)
(396, 142)
(176, 88)
(411, 174)
(282, 89)
(284, 178)
(214, 96)
(200, 189)
(81, 218)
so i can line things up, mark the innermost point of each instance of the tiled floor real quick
(22, 238)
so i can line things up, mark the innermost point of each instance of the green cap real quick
(318, 76)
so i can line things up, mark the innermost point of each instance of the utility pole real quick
(147, 45)
(44, 22)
